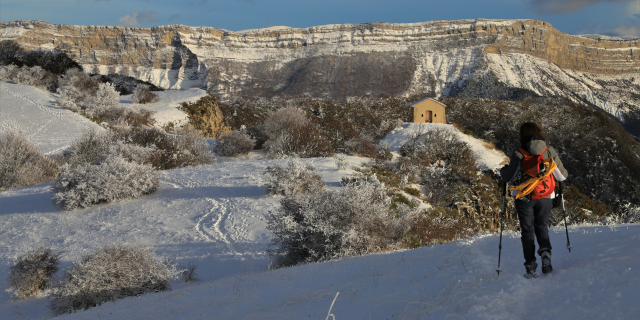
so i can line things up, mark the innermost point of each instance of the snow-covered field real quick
(33, 111)
(211, 216)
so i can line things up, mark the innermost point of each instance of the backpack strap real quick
(526, 154)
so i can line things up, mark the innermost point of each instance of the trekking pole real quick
(504, 209)
(564, 213)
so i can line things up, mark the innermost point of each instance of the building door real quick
(428, 119)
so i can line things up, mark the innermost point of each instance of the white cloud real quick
(136, 18)
(625, 30)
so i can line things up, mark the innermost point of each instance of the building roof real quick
(427, 98)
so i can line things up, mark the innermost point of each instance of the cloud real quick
(626, 30)
(136, 18)
(564, 6)
(174, 17)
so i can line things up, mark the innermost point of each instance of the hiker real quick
(534, 208)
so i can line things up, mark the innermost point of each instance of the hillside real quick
(213, 216)
(481, 58)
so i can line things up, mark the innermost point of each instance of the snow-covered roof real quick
(427, 98)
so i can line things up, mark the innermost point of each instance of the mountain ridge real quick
(341, 60)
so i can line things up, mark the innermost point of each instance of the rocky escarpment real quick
(490, 58)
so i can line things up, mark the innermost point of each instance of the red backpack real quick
(534, 166)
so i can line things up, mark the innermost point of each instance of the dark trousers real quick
(534, 217)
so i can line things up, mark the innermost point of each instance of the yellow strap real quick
(527, 187)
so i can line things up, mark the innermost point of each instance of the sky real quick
(607, 17)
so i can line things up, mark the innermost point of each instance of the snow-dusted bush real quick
(283, 119)
(113, 272)
(77, 91)
(191, 149)
(327, 225)
(88, 148)
(32, 273)
(8, 72)
(21, 163)
(29, 76)
(292, 178)
(105, 99)
(234, 143)
(111, 179)
(142, 94)
(303, 140)
(631, 213)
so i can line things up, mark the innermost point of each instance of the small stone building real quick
(429, 110)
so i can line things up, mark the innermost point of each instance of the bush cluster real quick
(29, 76)
(143, 94)
(33, 273)
(113, 272)
(292, 178)
(21, 164)
(110, 179)
(234, 143)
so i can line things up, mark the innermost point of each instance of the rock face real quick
(488, 58)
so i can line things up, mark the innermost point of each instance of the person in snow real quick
(533, 214)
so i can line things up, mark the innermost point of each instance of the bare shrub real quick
(437, 226)
(283, 119)
(129, 117)
(9, 50)
(234, 143)
(142, 94)
(188, 272)
(304, 140)
(327, 225)
(32, 273)
(106, 98)
(88, 148)
(361, 147)
(21, 163)
(292, 178)
(111, 179)
(186, 148)
(112, 272)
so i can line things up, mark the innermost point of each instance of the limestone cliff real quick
(492, 58)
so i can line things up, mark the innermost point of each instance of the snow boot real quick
(531, 271)
(546, 262)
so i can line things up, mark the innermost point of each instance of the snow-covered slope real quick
(211, 216)
(487, 158)
(166, 109)
(33, 111)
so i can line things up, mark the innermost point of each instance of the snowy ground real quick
(211, 216)
(33, 111)
(166, 109)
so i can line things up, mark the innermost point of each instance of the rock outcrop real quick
(489, 58)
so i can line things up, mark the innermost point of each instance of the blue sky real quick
(609, 17)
